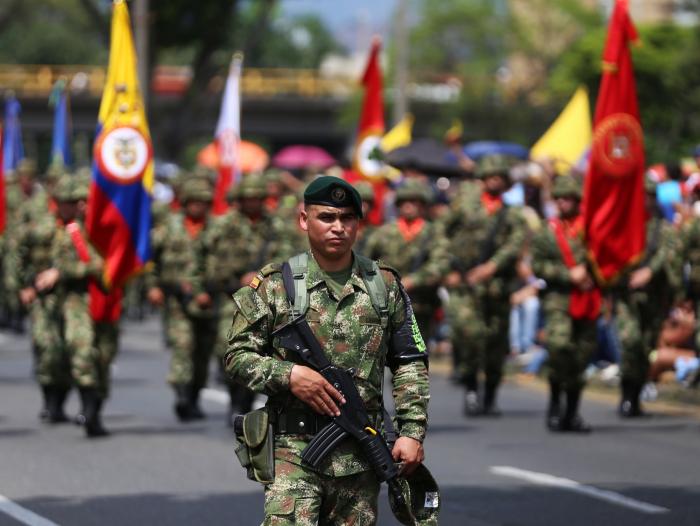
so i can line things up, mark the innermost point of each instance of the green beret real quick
(333, 191)
(494, 165)
(566, 186)
(252, 185)
(196, 189)
(413, 190)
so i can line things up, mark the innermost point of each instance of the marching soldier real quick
(486, 238)
(342, 291)
(571, 305)
(366, 228)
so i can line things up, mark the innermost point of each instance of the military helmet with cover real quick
(196, 189)
(421, 499)
(566, 186)
(252, 186)
(494, 165)
(366, 191)
(413, 190)
(70, 187)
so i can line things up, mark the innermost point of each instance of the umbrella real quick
(477, 150)
(251, 157)
(426, 155)
(301, 156)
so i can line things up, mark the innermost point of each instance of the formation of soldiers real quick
(462, 259)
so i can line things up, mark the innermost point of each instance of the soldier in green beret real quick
(356, 309)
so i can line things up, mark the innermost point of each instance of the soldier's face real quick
(68, 210)
(332, 231)
(196, 209)
(495, 184)
(568, 206)
(252, 206)
(411, 209)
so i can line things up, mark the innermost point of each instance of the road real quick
(153, 470)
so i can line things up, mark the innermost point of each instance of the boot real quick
(195, 410)
(56, 399)
(572, 421)
(553, 420)
(183, 406)
(637, 410)
(629, 403)
(45, 395)
(490, 407)
(471, 397)
(92, 407)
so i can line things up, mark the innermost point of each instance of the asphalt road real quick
(155, 471)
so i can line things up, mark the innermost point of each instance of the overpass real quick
(279, 106)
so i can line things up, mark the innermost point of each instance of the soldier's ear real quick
(304, 219)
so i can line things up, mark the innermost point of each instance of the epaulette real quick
(267, 270)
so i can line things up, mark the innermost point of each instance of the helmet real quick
(70, 188)
(27, 167)
(366, 191)
(566, 186)
(202, 172)
(54, 172)
(421, 499)
(494, 165)
(413, 189)
(196, 189)
(252, 185)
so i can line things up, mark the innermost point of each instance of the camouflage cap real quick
(333, 191)
(421, 495)
(196, 189)
(494, 165)
(413, 189)
(566, 186)
(26, 167)
(252, 186)
(366, 191)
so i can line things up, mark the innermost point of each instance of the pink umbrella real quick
(302, 156)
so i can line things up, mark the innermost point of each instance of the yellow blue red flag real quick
(119, 205)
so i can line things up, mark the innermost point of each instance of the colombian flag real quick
(119, 206)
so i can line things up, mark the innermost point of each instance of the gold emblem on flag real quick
(618, 145)
(122, 154)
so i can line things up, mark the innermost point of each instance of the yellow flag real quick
(399, 135)
(570, 136)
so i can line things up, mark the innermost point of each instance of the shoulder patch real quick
(255, 283)
(270, 268)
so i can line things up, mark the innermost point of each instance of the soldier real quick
(640, 302)
(571, 305)
(241, 242)
(416, 248)
(74, 266)
(366, 228)
(175, 284)
(340, 289)
(486, 238)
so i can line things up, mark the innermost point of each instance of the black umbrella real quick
(428, 156)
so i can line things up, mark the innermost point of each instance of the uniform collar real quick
(315, 275)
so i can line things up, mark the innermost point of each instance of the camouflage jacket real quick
(33, 248)
(690, 254)
(74, 273)
(470, 228)
(349, 330)
(424, 260)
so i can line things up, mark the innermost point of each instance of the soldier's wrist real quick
(413, 430)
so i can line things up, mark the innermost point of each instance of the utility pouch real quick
(255, 445)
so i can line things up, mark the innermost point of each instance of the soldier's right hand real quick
(155, 296)
(453, 279)
(314, 390)
(578, 275)
(27, 296)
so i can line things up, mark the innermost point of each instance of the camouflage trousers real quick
(637, 326)
(479, 333)
(106, 345)
(51, 361)
(301, 497)
(78, 331)
(192, 341)
(570, 344)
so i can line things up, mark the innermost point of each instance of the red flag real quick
(613, 201)
(228, 136)
(2, 187)
(367, 157)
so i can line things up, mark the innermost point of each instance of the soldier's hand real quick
(155, 296)
(27, 295)
(203, 300)
(46, 279)
(409, 452)
(578, 275)
(314, 390)
(640, 278)
(453, 279)
(481, 273)
(408, 284)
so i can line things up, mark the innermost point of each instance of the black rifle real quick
(354, 421)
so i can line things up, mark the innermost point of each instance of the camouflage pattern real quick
(570, 343)
(350, 332)
(689, 255)
(423, 260)
(639, 313)
(479, 316)
(190, 330)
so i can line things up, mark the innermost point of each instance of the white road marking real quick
(214, 395)
(544, 479)
(23, 515)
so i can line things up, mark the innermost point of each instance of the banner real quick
(228, 136)
(119, 204)
(613, 199)
(13, 149)
(62, 126)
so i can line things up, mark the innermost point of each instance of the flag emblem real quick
(618, 145)
(122, 154)
(368, 157)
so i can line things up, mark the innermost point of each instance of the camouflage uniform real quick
(191, 330)
(423, 259)
(239, 245)
(571, 342)
(690, 255)
(638, 314)
(366, 228)
(344, 491)
(479, 315)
